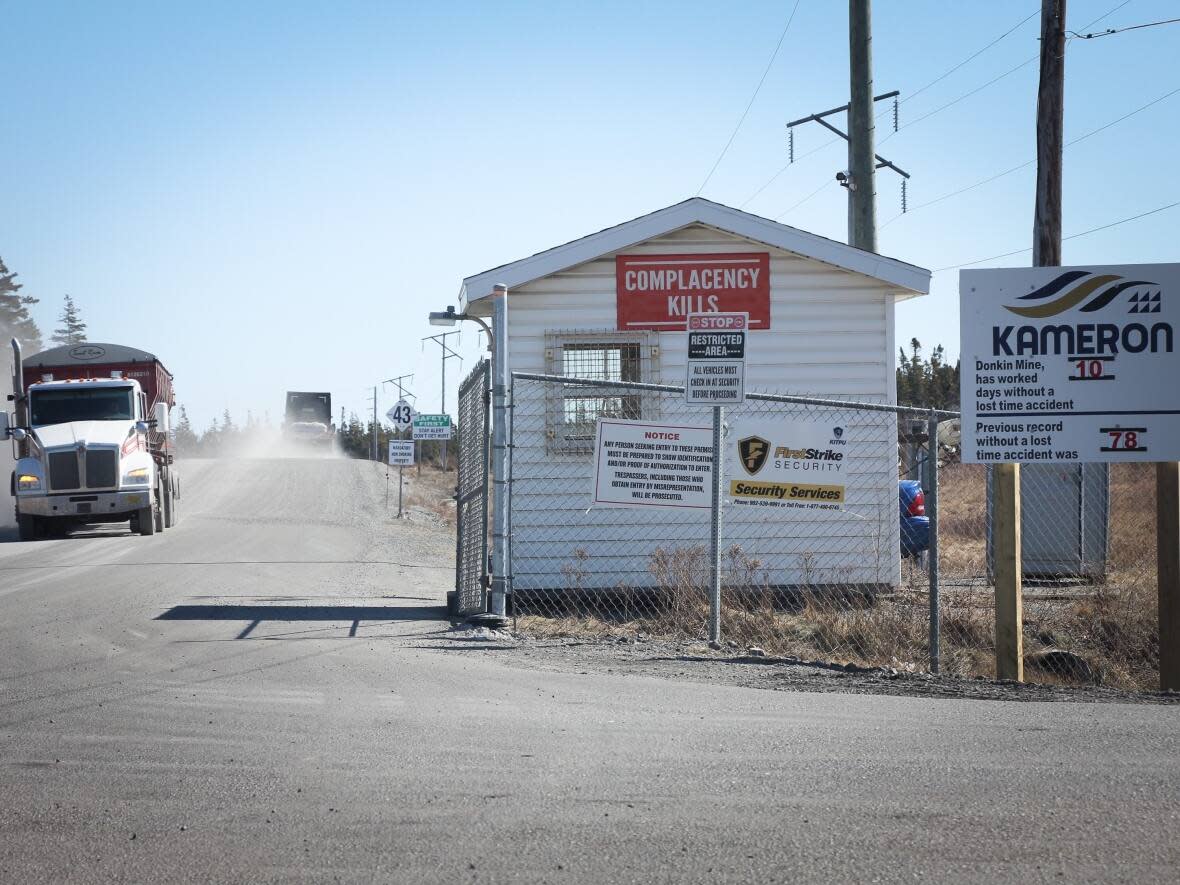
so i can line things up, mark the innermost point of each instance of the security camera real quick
(842, 176)
(845, 179)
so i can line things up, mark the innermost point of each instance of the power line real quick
(965, 95)
(1024, 165)
(750, 104)
(994, 80)
(1070, 237)
(973, 56)
(805, 199)
(1109, 31)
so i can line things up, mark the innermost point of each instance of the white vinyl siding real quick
(830, 335)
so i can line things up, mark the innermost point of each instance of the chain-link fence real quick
(850, 581)
(471, 493)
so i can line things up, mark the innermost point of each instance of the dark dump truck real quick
(308, 419)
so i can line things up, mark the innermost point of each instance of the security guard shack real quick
(612, 307)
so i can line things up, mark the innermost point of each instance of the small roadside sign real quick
(401, 415)
(401, 453)
(716, 359)
(432, 427)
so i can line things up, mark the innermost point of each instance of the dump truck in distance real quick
(91, 433)
(308, 419)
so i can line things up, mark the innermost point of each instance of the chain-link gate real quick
(471, 494)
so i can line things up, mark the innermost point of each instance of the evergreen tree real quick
(927, 383)
(15, 321)
(72, 330)
(185, 437)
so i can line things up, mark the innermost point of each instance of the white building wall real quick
(830, 335)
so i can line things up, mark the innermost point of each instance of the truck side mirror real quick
(160, 413)
(4, 424)
(19, 434)
(142, 427)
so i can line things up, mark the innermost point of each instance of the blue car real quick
(915, 524)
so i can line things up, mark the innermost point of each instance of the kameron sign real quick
(660, 291)
(1070, 363)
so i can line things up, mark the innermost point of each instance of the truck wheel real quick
(27, 527)
(145, 521)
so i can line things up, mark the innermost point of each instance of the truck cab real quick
(91, 449)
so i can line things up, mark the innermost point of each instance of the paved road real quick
(266, 694)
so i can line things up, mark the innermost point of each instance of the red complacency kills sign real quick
(660, 291)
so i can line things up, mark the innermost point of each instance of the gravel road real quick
(270, 692)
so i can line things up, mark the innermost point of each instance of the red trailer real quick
(83, 361)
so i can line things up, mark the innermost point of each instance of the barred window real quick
(608, 356)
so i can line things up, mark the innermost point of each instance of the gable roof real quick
(908, 278)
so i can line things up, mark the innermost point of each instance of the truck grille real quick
(101, 470)
(63, 471)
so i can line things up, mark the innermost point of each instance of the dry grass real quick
(1111, 625)
(428, 489)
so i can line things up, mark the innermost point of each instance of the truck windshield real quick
(94, 404)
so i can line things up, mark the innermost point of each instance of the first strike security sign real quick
(716, 359)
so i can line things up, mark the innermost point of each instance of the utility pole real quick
(1008, 507)
(860, 178)
(447, 353)
(1050, 129)
(862, 186)
(402, 393)
(374, 452)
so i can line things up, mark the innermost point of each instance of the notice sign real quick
(1065, 364)
(653, 465)
(660, 291)
(796, 464)
(432, 427)
(716, 359)
(401, 453)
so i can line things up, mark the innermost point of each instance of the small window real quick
(611, 356)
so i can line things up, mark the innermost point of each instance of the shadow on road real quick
(256, 614)
(304, 613)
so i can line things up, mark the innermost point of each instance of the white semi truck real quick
(91, 439)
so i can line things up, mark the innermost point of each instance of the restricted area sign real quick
(401, 453)
(716, 359)
(432, 427)
(1070, 363)
(401, 415)
(653, 465)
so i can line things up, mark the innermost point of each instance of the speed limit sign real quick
(401, 415)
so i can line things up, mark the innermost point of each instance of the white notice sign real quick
(401, 453)
(653, 465)
(1070, 363)
(716, 359)
(786, 463)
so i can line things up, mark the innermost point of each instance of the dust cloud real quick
(262, 442)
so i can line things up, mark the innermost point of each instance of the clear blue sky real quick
(272, 195)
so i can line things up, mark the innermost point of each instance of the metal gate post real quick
(500, 488)
(715, 532)
(932, 545)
